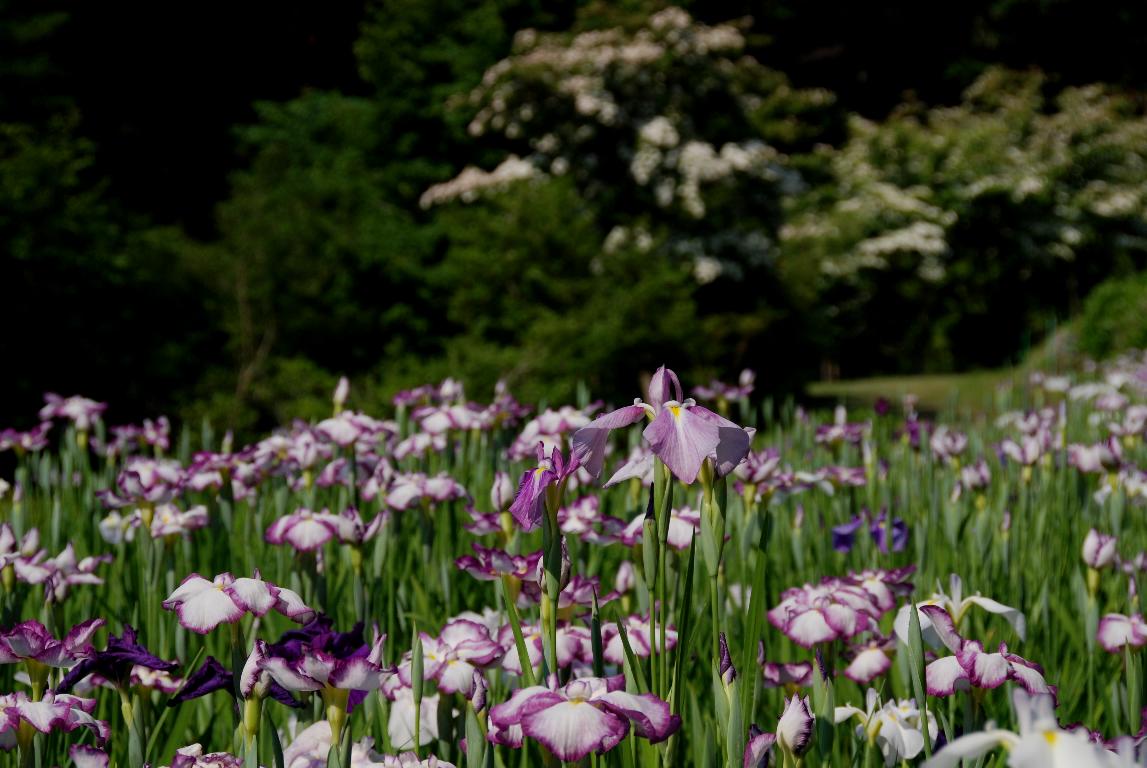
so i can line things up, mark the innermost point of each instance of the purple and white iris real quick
(682, 434)
(203, 605)
(584, 716)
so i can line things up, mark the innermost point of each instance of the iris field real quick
(699, 578)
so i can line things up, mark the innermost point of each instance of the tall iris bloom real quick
(334, 664)
(541, 486)
(681, 433)
(584, 716)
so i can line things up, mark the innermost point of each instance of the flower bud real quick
(794, 729)
(481, 687)
(626, 578)
(342, 389)
(1098, 549)
(501, 492)
(728, 671)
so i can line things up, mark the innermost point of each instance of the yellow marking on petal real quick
(539, 471)
(675, 410)
(1051, 737)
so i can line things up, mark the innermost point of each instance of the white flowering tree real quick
(950, 234)
(668, 129)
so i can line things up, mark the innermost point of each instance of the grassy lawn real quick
(964, 393)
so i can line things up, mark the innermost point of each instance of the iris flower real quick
(333, 664)
(115, 662)
(868, 661)
(451, 659)
(55, 712)
(948, 444)
(1117, 632)
(894, 726)
(682, 434)
(957, 607)
(1040, 742)
(489, 564)
(81, 411)
(833, 609)
(573, 646)
(410, 490)
(759, 748)
(641, 635)
(789, 675)
(254, 682)
(307, 531)
(203, 605)
(193, 756)
(844, 535)
(534, 487)
(549, 428)
(31, 642)
(971, 665)
(584, 716)
(144, 482)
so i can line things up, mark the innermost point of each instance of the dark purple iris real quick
(213, 676)
(844, 535)
(116, 661)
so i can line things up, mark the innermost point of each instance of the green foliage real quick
(1114, 318)
(532, 297)
(313, 261)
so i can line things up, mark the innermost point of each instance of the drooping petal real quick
(456, 676)
(640, 467)
(510, 712)
(945, 676)
(985, 670)
(650, 715)
(845, 621)
(1028, 675)
(207, 609)
(588, 443)
(191, 585)
(290, 604)
(573, 729)
(943, 626)
(86, 756)
(210, 677)
(682, 440)
(286, 675)
(254, 595)
(809, 629)
(733, 441)
(867, 666)
(970, 746)
(1117, 631)
(357, 675)
(1012, 615)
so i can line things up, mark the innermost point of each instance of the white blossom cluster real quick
(903, 186)
(469, 184)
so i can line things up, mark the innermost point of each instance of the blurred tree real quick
(681, 146)
(949, 235)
